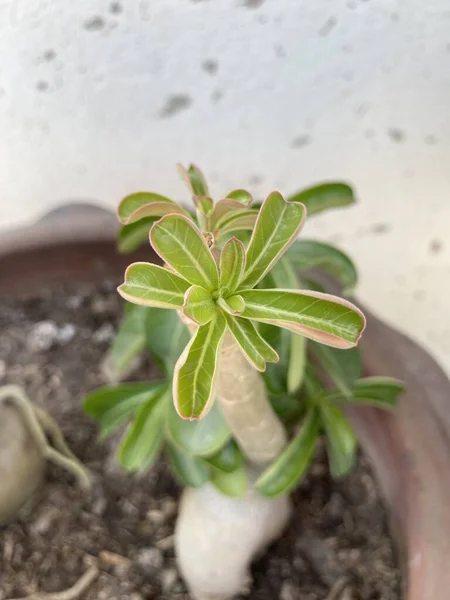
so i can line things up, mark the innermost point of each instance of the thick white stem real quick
(243, 399)
(217, 538)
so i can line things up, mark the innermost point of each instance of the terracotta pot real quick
(409, 450)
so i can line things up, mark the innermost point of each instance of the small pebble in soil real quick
(169, 507)
(169, 578)
(46, 334)
(288, 592)
(149, 561)
(166, 544)
(105, 333)
(44, 520)
(350, 593)
(74, 302)
(66, 333)
(42, 336)
(98, 498)
(156, 517)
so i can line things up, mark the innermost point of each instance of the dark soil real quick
(337, 546)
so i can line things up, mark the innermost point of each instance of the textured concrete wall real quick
(100, 98)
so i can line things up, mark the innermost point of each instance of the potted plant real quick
(408, 448)
(258, 363)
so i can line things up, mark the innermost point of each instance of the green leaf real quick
(232, 484)
(311, 383)
(228, 459)
(199, 438)
(194, 179)
(134, 235)
(188, 470)
(110, 406)
(225, 209)
(285, 277)
(288, 407)
(195, 371)
(204, 204)
(151, 285)
(284, 474)
(324, 196)
(130, 204)
(143, 439)
(134, 202)
(275, 230)
(306, 254)
(232, 263)
(128, 343)
(241, 196)
(381, 392)
(320, 317)
(233, 305)
(312, 284)
(166, 337)
(199, 307)
(143, 204)
(340, 439)
(297, 362)
(182, 246)
(343, 367)
(275, 375)
(237, 221)
(198, 181)
(255, 349)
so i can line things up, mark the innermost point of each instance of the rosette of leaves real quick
(230, 269)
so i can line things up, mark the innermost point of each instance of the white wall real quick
(98, 99)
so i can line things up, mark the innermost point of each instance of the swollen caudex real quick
(218, 537)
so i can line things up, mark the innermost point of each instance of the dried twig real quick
(111, 559)
(71, 593)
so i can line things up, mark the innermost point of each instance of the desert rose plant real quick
(255, 370)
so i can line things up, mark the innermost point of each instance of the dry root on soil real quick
(72, 593)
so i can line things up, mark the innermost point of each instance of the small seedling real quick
(257, 359)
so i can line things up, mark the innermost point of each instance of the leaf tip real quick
(119, 215)
(183, 416)
(153, 230)
(183, 173)
(363, 324)
(120, 290)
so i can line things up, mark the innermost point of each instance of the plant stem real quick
(242, 396)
